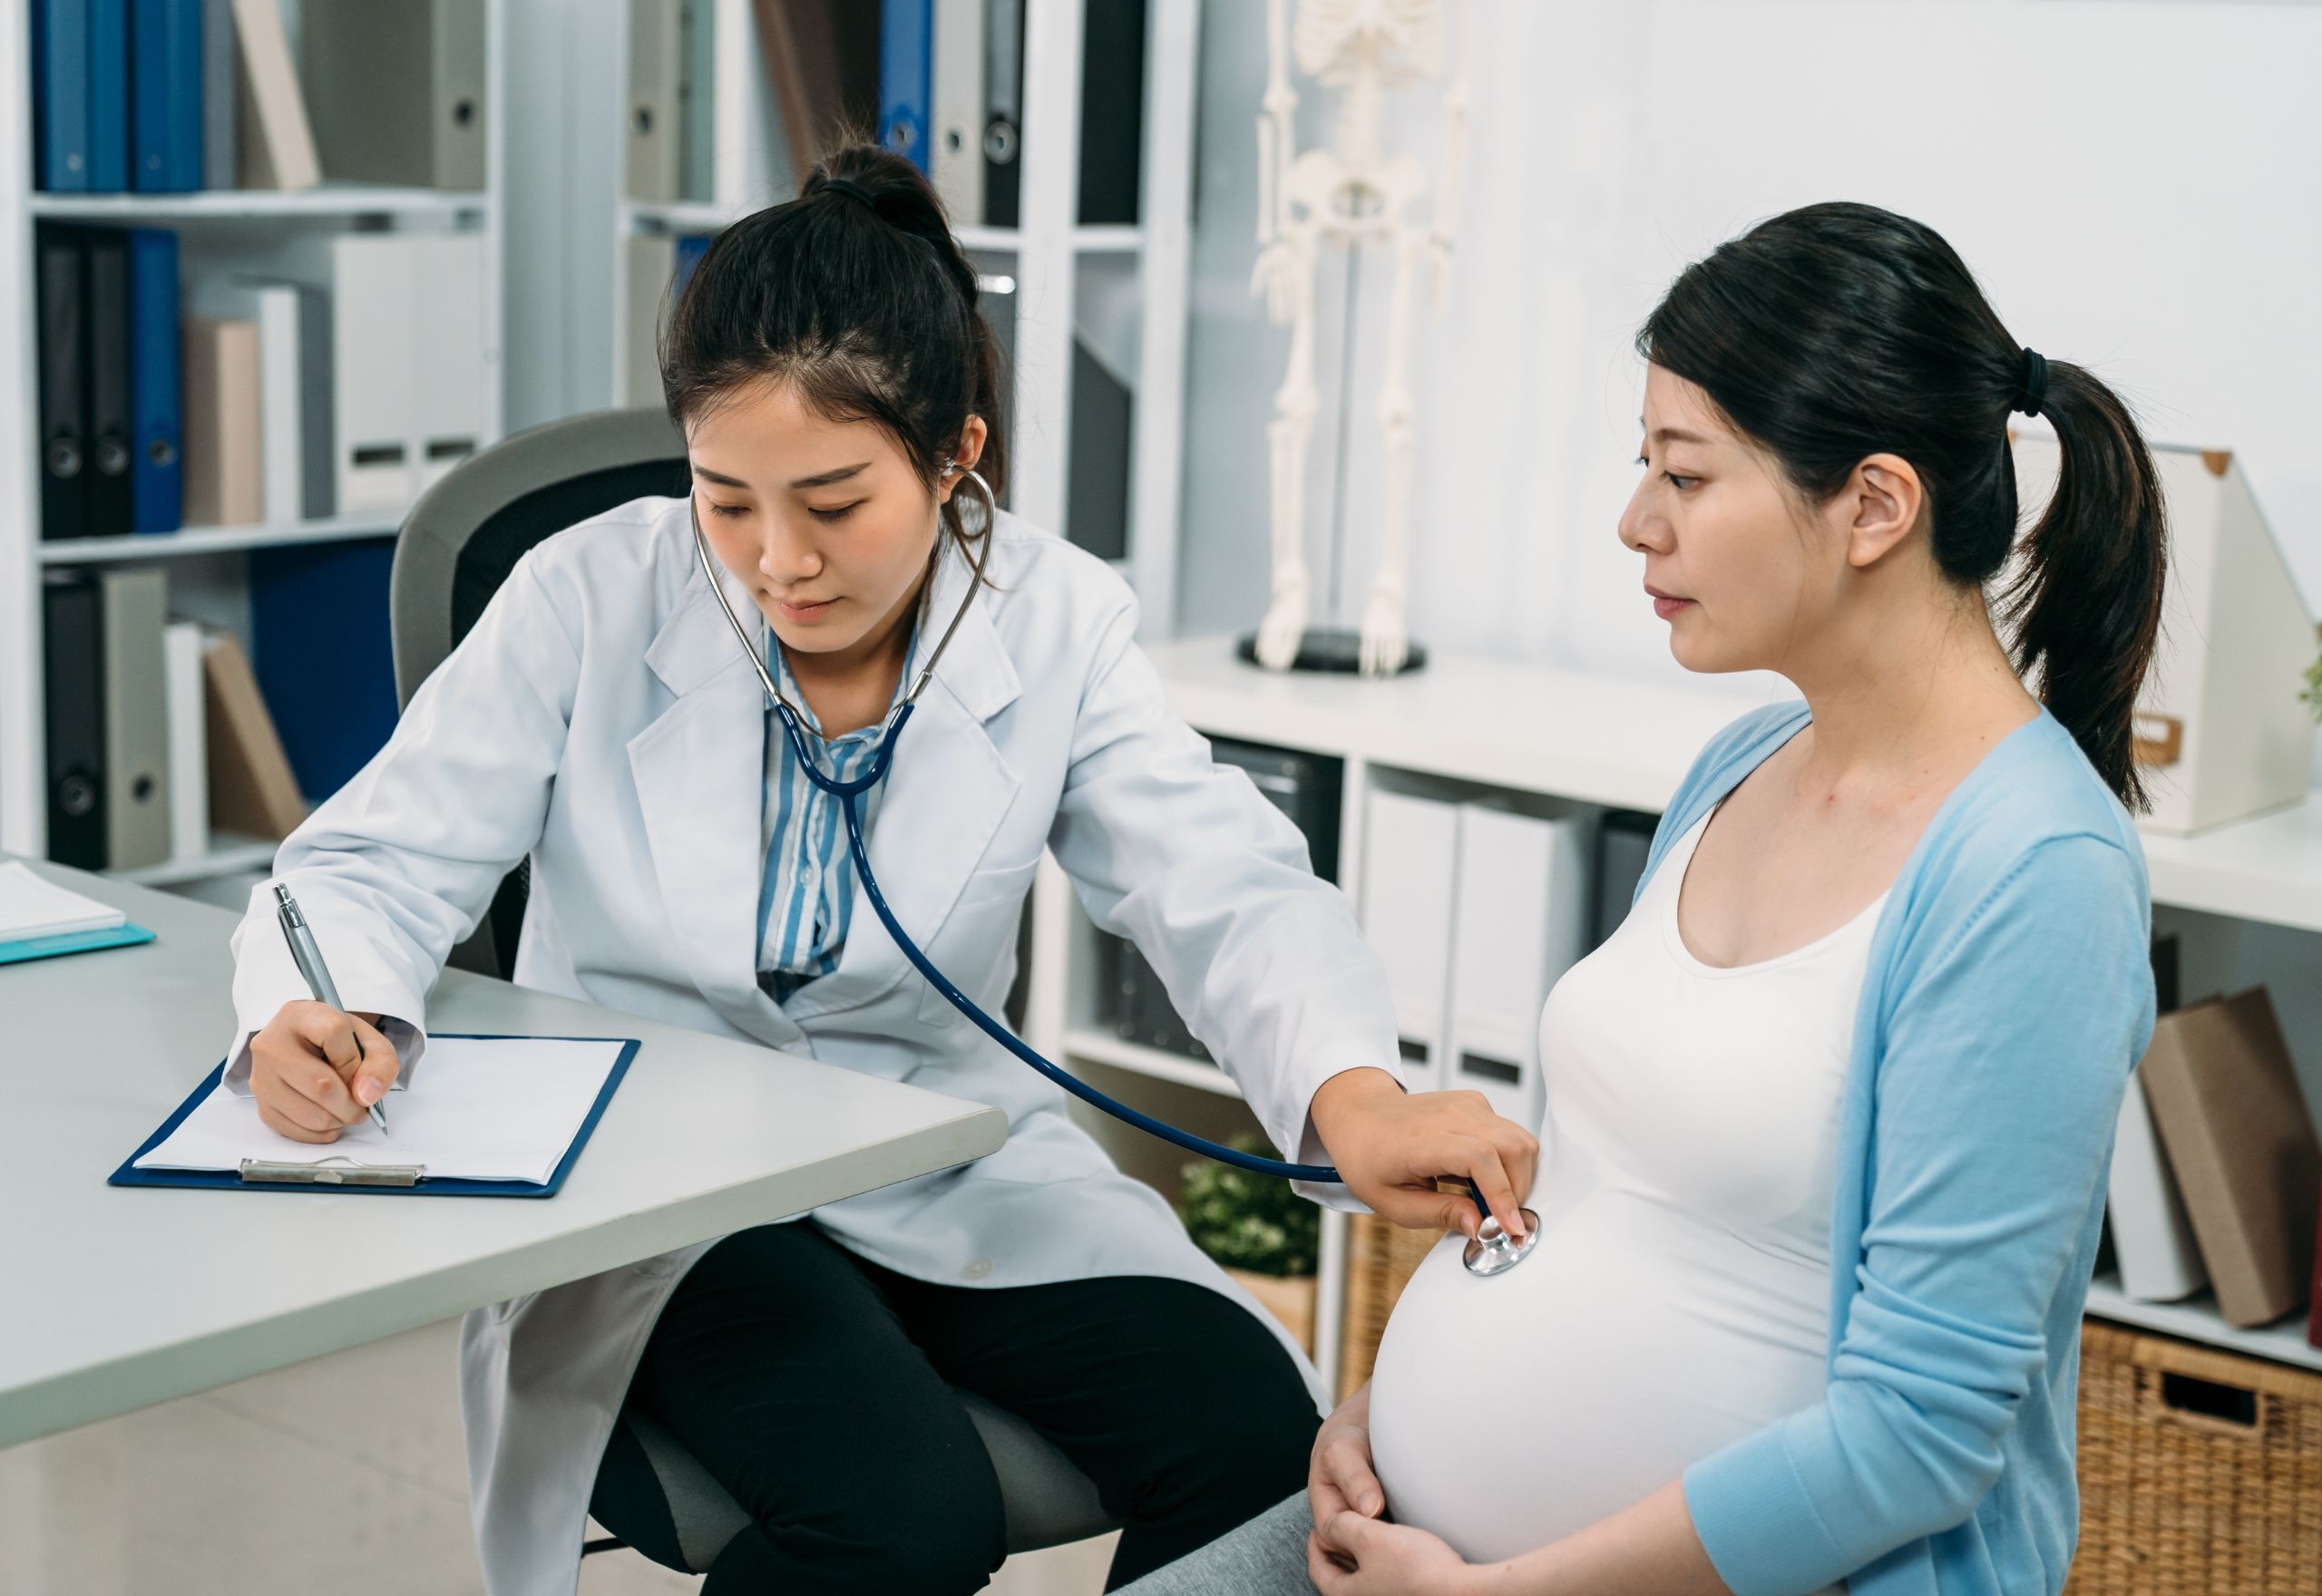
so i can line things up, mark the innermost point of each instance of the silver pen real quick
(309, 960)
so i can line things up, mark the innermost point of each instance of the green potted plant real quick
(1264, 1234)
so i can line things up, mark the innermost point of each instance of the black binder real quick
(106, 382)
(62, 272)
(1112, 111)
(1097, 487)
(72, 654)
(1623, 843)
(1003, 126)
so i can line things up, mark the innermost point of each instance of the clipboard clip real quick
(330, 1173)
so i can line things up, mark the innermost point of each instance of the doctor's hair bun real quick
(858, 294)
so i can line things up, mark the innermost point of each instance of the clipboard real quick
(127, 934)
(389, 1180)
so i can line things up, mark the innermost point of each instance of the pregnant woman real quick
(1829, 1116)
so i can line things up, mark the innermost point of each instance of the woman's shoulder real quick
(1036, 559)
(641, 547)
(2033, 785)
(2032, 803)
(2034, 807)
(1044, 590)
(1725, 760)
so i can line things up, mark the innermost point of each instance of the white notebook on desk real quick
(479, 1108)
(34, 905)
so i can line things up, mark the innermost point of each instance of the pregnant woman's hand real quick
(1339, 1476)
(1391, 1146)
(1390, 1559)
(1350, 1552)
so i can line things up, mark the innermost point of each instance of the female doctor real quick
(837, 388)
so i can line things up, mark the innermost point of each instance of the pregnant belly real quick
(1508, 1412)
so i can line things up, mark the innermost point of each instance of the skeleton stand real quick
(1354, 195)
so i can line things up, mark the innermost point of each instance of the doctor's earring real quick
(990, 503)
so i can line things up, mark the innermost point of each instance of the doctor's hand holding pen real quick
(315, 1071)
(1391, 1146)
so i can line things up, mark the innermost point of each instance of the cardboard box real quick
(2220, 732)
(2226, 1104)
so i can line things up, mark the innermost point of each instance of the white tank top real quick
(1679, 1297)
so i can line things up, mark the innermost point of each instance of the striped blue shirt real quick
(807, 894)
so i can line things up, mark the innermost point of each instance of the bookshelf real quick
(229, 854)
(325, 200)
(1468, 724)
(196, 541)
(2196, 1319)
(219, 232)
(1049, 263)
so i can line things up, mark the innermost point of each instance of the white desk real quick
(112, 1299)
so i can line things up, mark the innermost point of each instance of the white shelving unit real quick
(245, 229)
(1487, 723)
(1095, 1047)
(326, 200)
(228, 855)
(196, 541)
(1045, 258)
(2196, 1319)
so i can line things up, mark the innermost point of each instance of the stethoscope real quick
(1491, 1251)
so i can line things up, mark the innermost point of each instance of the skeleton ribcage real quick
(1405, 36)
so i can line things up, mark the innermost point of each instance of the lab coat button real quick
(976, 1271)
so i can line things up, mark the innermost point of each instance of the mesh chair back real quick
(465, 535)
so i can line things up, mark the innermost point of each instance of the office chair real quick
(456, 547)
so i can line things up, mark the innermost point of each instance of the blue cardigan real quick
(2008, 999)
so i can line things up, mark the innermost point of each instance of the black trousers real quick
(818, 1388)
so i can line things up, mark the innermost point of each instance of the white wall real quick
(2135, 183)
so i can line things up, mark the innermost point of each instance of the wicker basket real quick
(1381, 1259)
(2200, 1471)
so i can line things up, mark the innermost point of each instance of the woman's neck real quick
(1907, 700)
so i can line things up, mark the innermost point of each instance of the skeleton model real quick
(1354, 195)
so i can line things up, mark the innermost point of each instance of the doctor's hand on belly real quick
(1392, 1147)
(310, 1077)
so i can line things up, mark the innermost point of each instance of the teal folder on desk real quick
(124, 935)
(374, 1175)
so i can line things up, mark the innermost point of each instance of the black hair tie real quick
(2035, 382)
(852, 191)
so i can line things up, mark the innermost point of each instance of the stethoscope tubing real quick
(849, 793)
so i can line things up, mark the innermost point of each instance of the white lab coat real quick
(603, 718)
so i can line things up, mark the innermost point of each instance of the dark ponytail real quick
(2085, 603)
(1840, 331)
(857, 294)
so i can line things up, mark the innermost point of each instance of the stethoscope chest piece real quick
(1493, 1252)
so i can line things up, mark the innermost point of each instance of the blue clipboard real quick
(129, 1175)
(125, 935)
